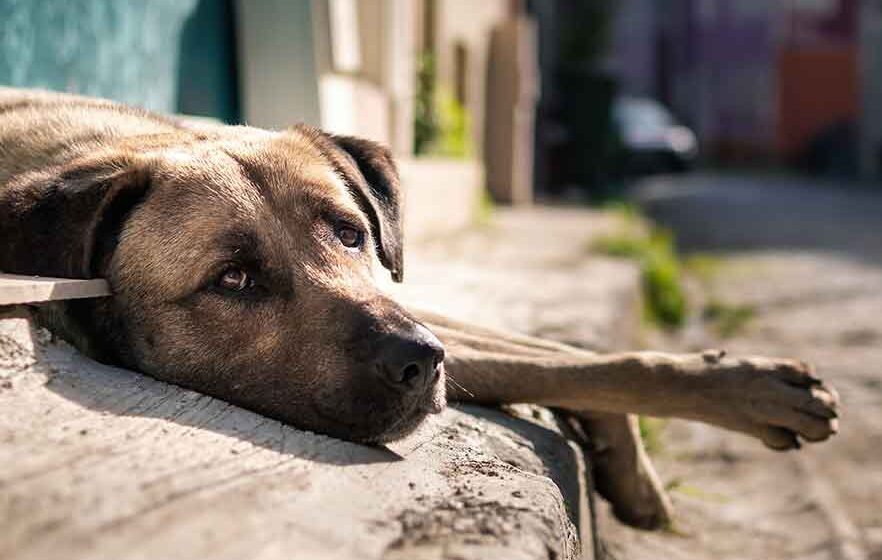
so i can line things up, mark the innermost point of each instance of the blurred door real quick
(207, 67)
(817, 89)
(818, 82)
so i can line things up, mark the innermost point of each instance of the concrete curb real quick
(106, 463)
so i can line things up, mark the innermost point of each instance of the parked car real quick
(651, 139)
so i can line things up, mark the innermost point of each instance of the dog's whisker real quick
(422, 444)
(458, 385)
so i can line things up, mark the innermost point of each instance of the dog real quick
(241, 265)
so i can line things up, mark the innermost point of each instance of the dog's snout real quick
(411, 361)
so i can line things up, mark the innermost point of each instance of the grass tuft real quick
(727, 319)
(703, 266)
(486, 207)
(660, 267)
(651, 433)
(677, 485)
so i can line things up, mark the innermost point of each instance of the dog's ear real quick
(379, 195)
(64, 221)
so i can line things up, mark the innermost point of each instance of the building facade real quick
(777, 82)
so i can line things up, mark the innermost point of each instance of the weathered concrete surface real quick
(106, 463)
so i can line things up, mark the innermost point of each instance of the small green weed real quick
(454, 138)
(677, 485)
(703, 266)
(650, 432)
(485, 208)
(659, 265)
(727, 319)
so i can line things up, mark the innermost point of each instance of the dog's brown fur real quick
(89, 188)
(92, 189)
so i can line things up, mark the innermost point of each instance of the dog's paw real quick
(782, 402)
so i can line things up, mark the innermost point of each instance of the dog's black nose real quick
(410, 361)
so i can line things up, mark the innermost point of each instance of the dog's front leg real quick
(778, 401)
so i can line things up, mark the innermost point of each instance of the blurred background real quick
(545, 96)
(719, 161)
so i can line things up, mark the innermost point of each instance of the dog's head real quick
(241, 266)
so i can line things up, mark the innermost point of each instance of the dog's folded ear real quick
(64, 221)
(379, 195)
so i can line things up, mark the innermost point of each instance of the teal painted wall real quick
(165, 55)
(207, 69)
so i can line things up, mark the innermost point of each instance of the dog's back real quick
(40, 129)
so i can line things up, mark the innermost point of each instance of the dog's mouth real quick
(435, 399)
(388, 429)
(379, 426)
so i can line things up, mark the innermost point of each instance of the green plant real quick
(650, 432)
(486, 207)
(425, 119)
(677, 485)
(662, 280)
(442, 125)
(703, 266)
(660, 268)
(728, 319)
(455, 137)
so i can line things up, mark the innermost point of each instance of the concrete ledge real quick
(106, 463)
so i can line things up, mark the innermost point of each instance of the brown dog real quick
(240, 262)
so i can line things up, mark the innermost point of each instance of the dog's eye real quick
(349, 236)
(235, 280)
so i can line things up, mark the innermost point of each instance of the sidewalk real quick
(106, 463)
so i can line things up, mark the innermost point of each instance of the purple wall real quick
(721, 69)
(633, 44)
(720, 60)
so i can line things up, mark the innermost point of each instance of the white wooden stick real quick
(15, 288)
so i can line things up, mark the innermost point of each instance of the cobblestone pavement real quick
(816, 296)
